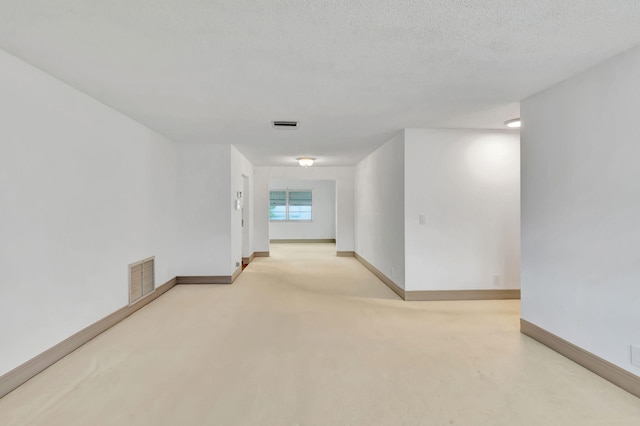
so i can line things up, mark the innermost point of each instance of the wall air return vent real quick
(141, 279)
(285, 124)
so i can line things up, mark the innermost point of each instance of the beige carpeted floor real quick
(307, 338)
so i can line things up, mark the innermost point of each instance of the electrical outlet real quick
(422, 219)
(635, 355)
(393, 272)
(237, 264)
(496, 280)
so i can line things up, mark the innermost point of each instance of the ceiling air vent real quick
(285, 124)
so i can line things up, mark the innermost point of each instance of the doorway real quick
(245, 222)
(302, 211)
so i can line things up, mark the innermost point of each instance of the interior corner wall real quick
(466, 185)
(205, 210)
(240, 167)
(343, 177)
(379, 209)
(323, 225)
(581, 209)
(84, 192)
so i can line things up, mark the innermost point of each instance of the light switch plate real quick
(496, 281)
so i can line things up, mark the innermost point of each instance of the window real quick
(278, 205)
(293, 205)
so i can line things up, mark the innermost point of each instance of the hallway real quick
(307, 338)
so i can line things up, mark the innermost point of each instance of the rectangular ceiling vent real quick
(141, 279)
(285, 124)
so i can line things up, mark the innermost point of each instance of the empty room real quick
(319, 213)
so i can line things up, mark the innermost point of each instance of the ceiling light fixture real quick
(514, 123)
(305, 161)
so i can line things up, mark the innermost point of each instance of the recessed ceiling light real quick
(514, 123)
(305, 161)
(280, 124)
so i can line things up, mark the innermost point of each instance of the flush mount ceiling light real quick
(305, 161)
(514, 123)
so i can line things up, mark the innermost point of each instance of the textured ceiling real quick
(352, 72)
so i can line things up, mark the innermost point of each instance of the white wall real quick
(581, 209)
(343, 176)
(467, 185)
(84, 192)
(379, 209)
(323, 225)
(209, 226)
(204, 213)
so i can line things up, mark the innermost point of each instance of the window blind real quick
(291, 205)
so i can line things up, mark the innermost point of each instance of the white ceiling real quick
(352, 72)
